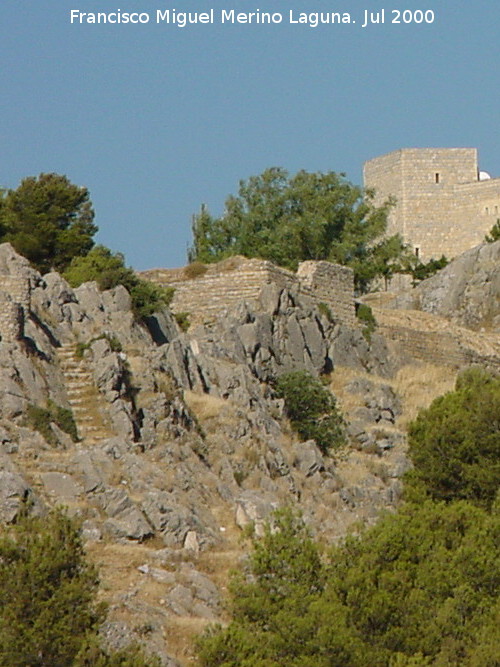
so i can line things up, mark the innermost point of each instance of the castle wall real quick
(221, 286)
(442, 207)
(15, 302)
(332, 284)
(385, 175)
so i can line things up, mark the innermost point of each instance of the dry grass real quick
(194, 270)
(418, 385)
(204, 406)
(180, 634)
(211, 412)
(341, 377)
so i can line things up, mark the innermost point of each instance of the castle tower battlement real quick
(444, 205)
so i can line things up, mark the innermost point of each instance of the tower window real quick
(436, 177)
(417, 251)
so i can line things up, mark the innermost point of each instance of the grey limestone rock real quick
(62, 487)
(467, 291)
(13, 491)
(308, 458)
(255, 508)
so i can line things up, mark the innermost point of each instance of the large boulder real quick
(467, 291)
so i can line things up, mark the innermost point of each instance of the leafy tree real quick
(289, 219)
(312, 409)
(47, 609)
(455, 443)
(419, 589)
(108, 270)
(421, 271)
(272, 625)
(494, 234)
(48, 219)
(48, 613)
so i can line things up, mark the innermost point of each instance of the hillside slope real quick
(183, 443)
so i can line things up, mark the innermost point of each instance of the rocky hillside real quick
(467, 291)
(182, 441)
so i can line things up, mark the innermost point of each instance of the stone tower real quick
(15, 293)
(444, 205)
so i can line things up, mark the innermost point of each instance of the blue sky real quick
(156, 119)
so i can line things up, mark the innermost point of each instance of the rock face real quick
(182, 440)
(467, 291)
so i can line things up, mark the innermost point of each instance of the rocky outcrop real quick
(466, 292)
(182, 440)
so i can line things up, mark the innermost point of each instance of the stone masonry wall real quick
(223, 285)
(15, 302)
(442, 207)
(332, 284)
(11, 319)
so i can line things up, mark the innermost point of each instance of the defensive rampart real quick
(435, 340)
(208, 290)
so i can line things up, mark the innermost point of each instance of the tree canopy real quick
(48, 611)
(418, 589)
(455, 443)
(48, 219)
(308, 216)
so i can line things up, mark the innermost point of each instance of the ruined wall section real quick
(215, 291)
(224, 285)
(331, 284)
(15, 303)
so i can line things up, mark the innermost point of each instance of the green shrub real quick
(148, 298)
(364, 314)
(113, 341)
(109, 270)
(312, 410)
(182, 320)
(48, 611)
(494, 233)
(324, 309)
(455, 443)
(40, 420)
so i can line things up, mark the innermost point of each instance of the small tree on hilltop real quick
(309, 216)
(49, 220)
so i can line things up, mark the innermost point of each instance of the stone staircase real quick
(83, 396)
